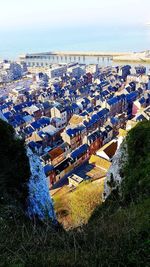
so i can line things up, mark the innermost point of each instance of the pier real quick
(45, 59)
(91, 57)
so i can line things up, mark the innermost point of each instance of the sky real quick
(51, 25)
(35, 14)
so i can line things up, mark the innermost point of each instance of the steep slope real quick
(22, 179)
(39, 200)
(116, 235)
(14, 166)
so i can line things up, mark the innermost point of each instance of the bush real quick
(136, 182)
(14, 165)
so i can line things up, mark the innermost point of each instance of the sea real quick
(114, 38)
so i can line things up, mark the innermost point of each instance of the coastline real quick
(143, 57)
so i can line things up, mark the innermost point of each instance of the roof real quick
(76, 178)
(35, 137)
(72, 131)
(94, 136)
(108, 128)
(89, 110)
(112, 100)
(105, 93)
(56, 152)
(114, 120)
(48, 168)
(142, 100)
(27, 118)
(110, 148)
(18, 107)
(79, 151)
(84, 113)
(32, 108)
(122, 132)
(7, 115)
(94, 118)
(61, 108)
(74, 106)
(28, 130)
(62, 166)
(132, 96)
(34, 145)
(44, 121)
(103, 112)
(4, 106)
(140, 118)
(99, 162)
(15, 124)
(47, 105)
(50, 129)
(36, 125)
(76, 119)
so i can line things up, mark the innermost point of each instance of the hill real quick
(117, 233)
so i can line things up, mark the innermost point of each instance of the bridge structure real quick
(48, 58)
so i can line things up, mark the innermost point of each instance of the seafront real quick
(83, 57)
(142, 57)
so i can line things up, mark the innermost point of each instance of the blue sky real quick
(35, 14)
(48, 25)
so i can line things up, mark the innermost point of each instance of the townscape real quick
(73, 116)
(74, 133)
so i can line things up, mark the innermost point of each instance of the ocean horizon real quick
(112, 38)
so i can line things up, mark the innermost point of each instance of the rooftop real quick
(76, 178)
(55, 152)
(109, 149)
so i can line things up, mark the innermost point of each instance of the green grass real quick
(120, 238)
(117, 233)
(74, 208)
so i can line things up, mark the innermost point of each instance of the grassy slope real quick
(116, 235)
(74, 208)
(117, 239)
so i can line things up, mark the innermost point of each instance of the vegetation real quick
(74, 208)
(117, 233)
(136, 182)
(14, 166)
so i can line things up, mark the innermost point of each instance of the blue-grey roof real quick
(79, 151)
(103, 112)
(142, 100)
(28, 130)
(7, 115)
(27, 118)
(108, 128)
(140, 118)
(112, 100)
(72, 132)
(114, 120)
(48, 168)
(36, 125)
(44, 121)
(131, 96)
(94, 136)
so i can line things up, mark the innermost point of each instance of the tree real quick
(14, 165)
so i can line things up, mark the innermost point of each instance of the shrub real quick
(14, 165)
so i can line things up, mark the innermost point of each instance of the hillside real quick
(117, 233)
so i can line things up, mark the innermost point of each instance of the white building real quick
(57, 71)
(92, 68)
(61, 113)
(10, 71)
(76, 71)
